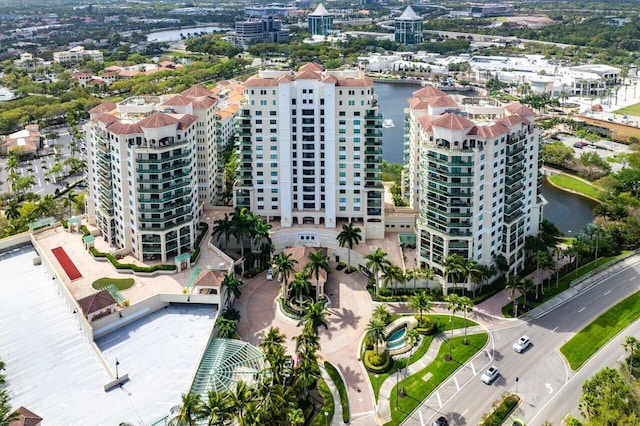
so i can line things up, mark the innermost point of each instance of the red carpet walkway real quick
(67, 264)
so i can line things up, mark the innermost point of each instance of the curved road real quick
(548, 388)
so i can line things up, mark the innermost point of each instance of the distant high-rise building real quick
(310, 145)
(408, 27)
(472, 173)
(263, 30)
(320, 21)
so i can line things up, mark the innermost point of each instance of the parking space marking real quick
(455, 380)
(439, 400)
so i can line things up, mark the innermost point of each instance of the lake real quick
(174, 35)
(569, 212)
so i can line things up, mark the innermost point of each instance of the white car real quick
(270, 274)
(490, 375)
(522, 344)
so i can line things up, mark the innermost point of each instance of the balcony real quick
(176, 185)
(513, 216)
(448, 162)
(165, 167)
(184, 154)
(512, 207)
(185, 173)
(184, 217)
(514, 160)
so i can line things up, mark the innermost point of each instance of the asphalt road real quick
(549, 389)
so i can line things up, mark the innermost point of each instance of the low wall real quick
(15, 240)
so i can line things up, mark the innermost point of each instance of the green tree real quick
(232, 287)
(376, 263)
(189, 409)
(349, 237)
(215, 409)
(319, 261)
(514, 285)
(315, 315)
(300, 284)
(284, 269)
(630, 344)
(420, 302)
(607, 400)
(381, 313)
(226, 328)
(240, 398)
(375, 333)
(391, 275)
(466, 305)
(453, 305)
(452, 266)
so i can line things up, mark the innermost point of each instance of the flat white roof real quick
(55, 372)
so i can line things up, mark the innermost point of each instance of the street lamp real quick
(517, 380)
(326, 418)
(117, 364)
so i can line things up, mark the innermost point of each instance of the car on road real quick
(490, 375)
(580, 145)
(441, 422)
(517, 422)
(270, 274)
(522, 344)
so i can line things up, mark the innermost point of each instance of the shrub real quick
(377, 363)
(341, 265)
(85, 230)
(64, 223)
(427, 326)
(501, 410)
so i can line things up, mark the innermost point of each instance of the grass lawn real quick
(120, 283)
(569, 182)
(563, 283)
(444, 324)
(329, 407)
(630, 110)
(591, 338)
(342, 390)
(417, 389)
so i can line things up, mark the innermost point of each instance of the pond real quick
(569, 212)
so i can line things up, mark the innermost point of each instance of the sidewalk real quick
(384, 396)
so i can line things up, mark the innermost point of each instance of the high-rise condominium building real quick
(408, 27)
(310, 145)
(152, 165)
(472, 173)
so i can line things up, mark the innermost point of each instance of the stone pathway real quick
(384, 396)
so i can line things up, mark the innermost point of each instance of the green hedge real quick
(342, 390)
(204, 228)
(501, 410)
(85, 230)
(375, 363)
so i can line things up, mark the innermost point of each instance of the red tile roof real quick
(425, 123)
(442, 101)
(157, 119)
(209, 278)
(186, 120)
(428, 92)
(365, 81)
(197, 91)
(103, 107)
(96, 302)
(518, 108)
(301, 255)
(26, 417)
(120, 128)
(178, 100)
(453, 122)
(490, 131)
(308, 74)
(256, 81)
(203, 103)
(310, 66)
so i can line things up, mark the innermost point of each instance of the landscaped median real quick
(595, 335)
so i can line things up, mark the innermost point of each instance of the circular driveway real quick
(350, 309)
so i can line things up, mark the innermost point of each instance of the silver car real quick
(490, 375)
(522, 344)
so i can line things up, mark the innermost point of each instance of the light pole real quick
(117, 364)
(326, 418)
(517, 380)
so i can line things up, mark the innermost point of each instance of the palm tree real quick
(466, 306)
(261, 240)
(307, 373)
(602, 210)
(420, 302)
(222, 227)
(284, 268)
(307, 342)
(412, 275)
(376, 263)
(70, 199)
(471, 270)
(239, 398)
(226, 328)
(7, 414)
(514, 284)
(630, 344)
(381, 313)
(319, 261)
(12, 211)
(540, 257)
(232, 287)
(215, 410)
(45, 205)
(315, 315)
(272, 339)
(559, 254)
(189, 409)
(300, 284)
(241, 225)
(451, 265)
(390, 275)
(375, 333)
(349, 237)
(453, 305)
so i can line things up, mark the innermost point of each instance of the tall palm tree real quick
(471, 270)
(215, 409)
(272, 339)
(191, 403)
(540, 258)
(7, 414)
(241, 225)
(239, 398)
(349, 237)
(412, 275)
(630, 344)
(453, 305)
(300, 284)
(45, 205)
(391, 275)
(12, 211)
(307, 342)
(466, 306)
(307, 372)
(232, 287)
(261, 240)
(420, 302)
(222, 228)
(319, 261)
(69, 200)
(315, 316)
(513, 285)
(284, 268)
(451, 265)
(375, 333)
(602, 210)
(559, 254)
(376, 263)
(428, 274)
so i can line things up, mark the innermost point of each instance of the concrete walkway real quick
(384, 396)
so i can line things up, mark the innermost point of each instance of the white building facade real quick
(472, 174)
(310, 148)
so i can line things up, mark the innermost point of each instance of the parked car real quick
(579, 145)
(490, 375)
(270, 274)
(441, 422)
(517, 422)
(522, 344)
